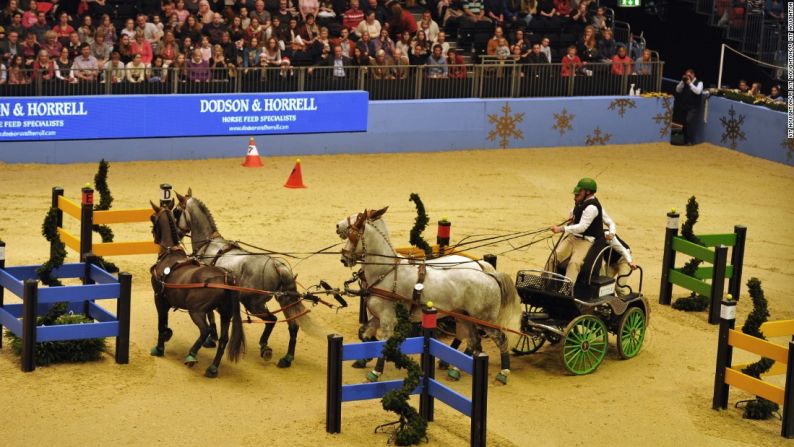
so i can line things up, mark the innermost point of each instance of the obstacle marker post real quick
(333, 400)
(56, 192)
(479, 401)
(443, 234)
(86, 221)
(727, 316)
(668, 259)
(123, 305)
(737, 260)
(166, 199)
(717, 282)
(788, 397)
(30, 304)
(429, 322)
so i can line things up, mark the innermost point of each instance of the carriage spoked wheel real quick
(530, 342)
(584, 344)
(631, 332)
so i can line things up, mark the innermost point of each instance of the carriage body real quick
(580, 316)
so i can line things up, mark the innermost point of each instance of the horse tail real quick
(293, 302)
(510, 310)
(237, 341)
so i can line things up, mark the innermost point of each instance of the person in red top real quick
(570, 62)
(63, 29)
(143, 47)
(43, 67)
(401, 20)
(353, 16)
(455, 63)
(621, 63)
(29, 17)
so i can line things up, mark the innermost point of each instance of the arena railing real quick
(493, 78)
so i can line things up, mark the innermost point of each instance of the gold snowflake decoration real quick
(665, 120)
(733, 128)
(788, 143)
(562, 121)
(621, 105)
(597, 138)
(506, 126)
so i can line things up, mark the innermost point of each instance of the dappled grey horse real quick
(253, 270)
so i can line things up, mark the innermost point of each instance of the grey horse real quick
(253, 270)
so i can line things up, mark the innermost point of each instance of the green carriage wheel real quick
(631, 332)
(584, 345)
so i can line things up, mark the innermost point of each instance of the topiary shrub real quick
(48, 353)
(758, 408)
(49, 229)
(693, 302)
(105, 202)
(420, 224)
(413, 427)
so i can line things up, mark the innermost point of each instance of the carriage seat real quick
(598, 285)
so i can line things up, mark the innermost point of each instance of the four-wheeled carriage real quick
(580, 315)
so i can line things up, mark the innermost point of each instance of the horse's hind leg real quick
(163, 332)
(212, 338)
(200, 319)
(226, 317)
(286, 361)
(468, 331)
(257, 307)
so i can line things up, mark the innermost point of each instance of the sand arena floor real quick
(662, 397)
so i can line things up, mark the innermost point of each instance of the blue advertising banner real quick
(101, 117)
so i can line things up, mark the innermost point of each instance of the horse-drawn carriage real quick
(581, 314)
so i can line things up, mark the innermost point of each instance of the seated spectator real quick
(455, 64)
(255, 31)
(40, 28)
(360, 58)
(198, 70)
(644, 65)
(588, 33)
(563, 10)
(219, 66)
(74, 44)
(436, 64)
(774, 10)
(365, 45)
(85, 65)
(450, 11)
(63, 29)
(589, 51)
(338, 63)
(169, 48)
(382, 13)
(420, 49)
(252, 53)
(205, 14)
(63, 67)
(382, 66)
(580, 18)
(384, 42)
(87, 30)
(181, 11)
(344, 41)
(114, 69)
(621, 62)
(100, 49)
(545, 48)
(17, 73)
(137, 70)
(493, 42)
(429, 26)
(370, 25)
(474, 14)
(743, 87)
(442, 40)
(322, 42)
(309, 31)
(237, 32)
(205, 47)
(125, 49)
(214, 30)
(326, 15)
(521, 41)
(16, 25)
(607, 47)
(571, 62)
(353, 16)
(191, 28)
(179, 68)
(151, 32)
(755, 90)
(43, 68)
(599, 20)
(404, 43)
(547, 15)
(401, 63)
(142, 47)
(308, 7)
(495, 11)
(775, 94)
(30, 16)
(536, 56)
(107, 28)
(51, 44)
(285, 12)
(29, 49)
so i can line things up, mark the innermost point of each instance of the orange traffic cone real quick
(295, 179)
(252, 159)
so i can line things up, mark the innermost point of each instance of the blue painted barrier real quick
(429, 389)
(21, 282)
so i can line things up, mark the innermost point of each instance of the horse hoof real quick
(501, 378)
(372, 376)
(453, 374)
(167, 334)
(190, 360)
(209, 342)
(211, 372)
(442, 365)
(266, 353)
(360, 364)
(157, 352)
(285, 362)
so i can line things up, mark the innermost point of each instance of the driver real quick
(584, 228)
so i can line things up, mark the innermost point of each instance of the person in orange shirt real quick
(621, 62)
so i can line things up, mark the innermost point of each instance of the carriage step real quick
(538, 315)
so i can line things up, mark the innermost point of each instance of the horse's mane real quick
(206, 212)
(172, 227)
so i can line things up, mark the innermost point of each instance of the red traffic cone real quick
(252, 159)
(295, 179)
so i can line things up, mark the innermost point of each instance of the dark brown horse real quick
(174, 268)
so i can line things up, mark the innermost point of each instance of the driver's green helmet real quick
(585, 183)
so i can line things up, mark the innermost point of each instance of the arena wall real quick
(754, 130)
(401, 126)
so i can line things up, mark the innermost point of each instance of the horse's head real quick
(352, 229)
(164, 229)
(181, 212)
